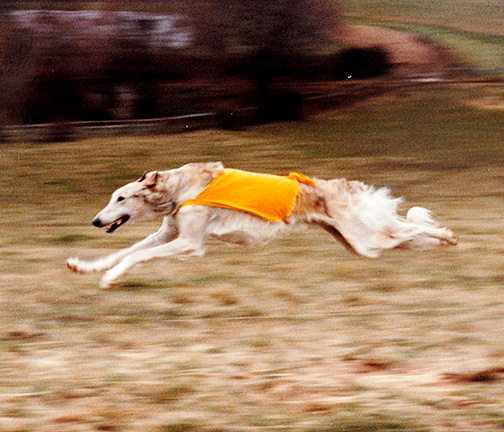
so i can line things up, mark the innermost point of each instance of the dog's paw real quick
(79, 266)
(74, 265)
(107, 282)
(452, 238)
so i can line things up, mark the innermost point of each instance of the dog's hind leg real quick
(331, 229)
(166, 233)
(424, 231)
(419, 230)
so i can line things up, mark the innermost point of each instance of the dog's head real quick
(128, 202)
(155, 194)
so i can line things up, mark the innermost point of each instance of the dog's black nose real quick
(97, 223)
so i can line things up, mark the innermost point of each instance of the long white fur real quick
(363, 218)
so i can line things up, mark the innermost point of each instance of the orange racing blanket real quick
(270, 197)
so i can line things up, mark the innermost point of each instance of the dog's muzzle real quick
(113, 226)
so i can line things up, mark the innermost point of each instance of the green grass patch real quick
(479, 16)
(72, 238)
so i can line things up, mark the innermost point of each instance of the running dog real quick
(205, 199)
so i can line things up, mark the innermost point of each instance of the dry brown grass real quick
(297, 335)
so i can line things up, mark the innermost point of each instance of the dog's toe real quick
(73, 264)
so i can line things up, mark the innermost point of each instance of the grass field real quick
(475, 16)
(295, 335)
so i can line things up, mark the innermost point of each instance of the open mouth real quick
(116, 224)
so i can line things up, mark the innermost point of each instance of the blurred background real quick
(238, 61)
(69, 61)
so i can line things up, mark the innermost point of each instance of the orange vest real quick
(267, 196)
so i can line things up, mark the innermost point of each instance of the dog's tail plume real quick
(421, 216)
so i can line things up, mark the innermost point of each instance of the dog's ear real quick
(208, 171)
(141, 179)
(150, 179)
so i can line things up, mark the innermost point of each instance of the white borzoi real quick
(362, 218)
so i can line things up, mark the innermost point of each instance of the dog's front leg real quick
(166, 233)
(192, 222)
(179, 248)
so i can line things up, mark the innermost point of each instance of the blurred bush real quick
(360, 63)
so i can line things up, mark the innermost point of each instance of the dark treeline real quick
(209, 55)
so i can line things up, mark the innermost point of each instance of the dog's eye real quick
(120, 198)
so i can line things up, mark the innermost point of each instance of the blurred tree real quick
(55, 67)
(288, 27)
(16, 71)
(268, 40)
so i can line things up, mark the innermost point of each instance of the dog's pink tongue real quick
(114, 226)
(117, 223)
